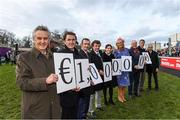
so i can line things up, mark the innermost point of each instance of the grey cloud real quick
(50, 14)
(132, 4)
(167, 8)
(86, 3)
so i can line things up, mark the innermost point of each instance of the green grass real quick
(164, 104)
(10, 95)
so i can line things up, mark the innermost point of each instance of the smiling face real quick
(133, 43)
(70, 41)
(108, 49)
(96, 47)
(41, 40)
(85, 45)
(141, 44)
(120, 44)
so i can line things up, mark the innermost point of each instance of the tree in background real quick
(27, 41)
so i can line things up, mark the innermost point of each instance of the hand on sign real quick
(52, 78)
(136, 67)
(157, 69)
(89, 68)
(77, 89)
(101, 72)
(92, 83)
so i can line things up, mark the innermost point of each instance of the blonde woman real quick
(123, 79)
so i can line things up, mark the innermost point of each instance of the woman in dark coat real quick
(107, 56)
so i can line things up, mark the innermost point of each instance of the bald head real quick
(133, 43)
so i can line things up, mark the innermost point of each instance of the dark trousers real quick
(155, 79)
(83, 107)
(110, 94)
(69, 113)
(134, 83)
(131, 80)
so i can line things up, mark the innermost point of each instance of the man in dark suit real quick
(152, 68)
(134, 75)
(84, 95)
(142, 71)
(69, 100)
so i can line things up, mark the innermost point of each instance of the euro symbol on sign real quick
(62, 73)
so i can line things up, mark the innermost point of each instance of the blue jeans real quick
(83, 107)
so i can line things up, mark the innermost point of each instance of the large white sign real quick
(107, 71)
(147, 58)
(74, 73)
(64, 68)
(94, 74)
(82, 73)
(126, 62)
(116, 67)
(141, 62)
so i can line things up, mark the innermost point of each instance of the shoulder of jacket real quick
(24, 56)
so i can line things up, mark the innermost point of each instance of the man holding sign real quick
(69, 99)
(84, 95)
(95, 58)
(35, 77)
(134, 75)
(142, 71)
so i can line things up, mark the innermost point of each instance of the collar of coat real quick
(70, 51)
(37, 53)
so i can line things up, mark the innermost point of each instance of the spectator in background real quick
(12, 57)
(123, 79)
(54, 45)
(7, 57)
(153, 68)
(0, 59)
(35, 77)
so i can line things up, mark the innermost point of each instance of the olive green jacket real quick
(39, 100)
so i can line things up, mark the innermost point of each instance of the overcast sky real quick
(96, 19)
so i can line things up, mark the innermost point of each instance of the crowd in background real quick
(175, 52)
(8, 58)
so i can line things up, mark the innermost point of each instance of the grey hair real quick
(133, 41)
(150, 45)
(42, 28)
